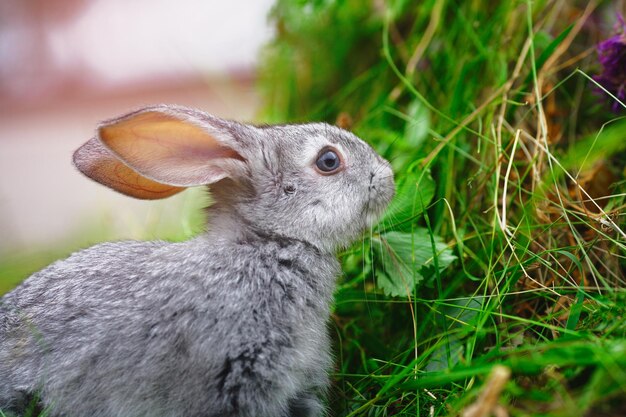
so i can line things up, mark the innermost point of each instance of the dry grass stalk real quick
(487, 403)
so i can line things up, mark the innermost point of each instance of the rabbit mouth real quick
(372, 212)
(376, 203)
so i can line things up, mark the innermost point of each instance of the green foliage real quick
(493, 251)
(414, 192)
(406, 259)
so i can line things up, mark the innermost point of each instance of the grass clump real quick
(505, 244)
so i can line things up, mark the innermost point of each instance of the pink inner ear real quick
(99, 164)
(167, 149)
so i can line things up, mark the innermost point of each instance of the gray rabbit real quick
(230, 323)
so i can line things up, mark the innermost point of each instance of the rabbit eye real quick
(328, 161)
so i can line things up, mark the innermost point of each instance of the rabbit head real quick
(312, 182)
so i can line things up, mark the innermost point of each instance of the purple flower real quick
(612, 56)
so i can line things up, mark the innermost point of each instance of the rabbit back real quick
(186, 329)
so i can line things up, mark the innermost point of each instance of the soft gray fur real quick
(231, 323)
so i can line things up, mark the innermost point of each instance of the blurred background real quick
(66, 65)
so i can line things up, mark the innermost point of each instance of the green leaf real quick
(418, 125)
(413, 195)
(552, 46)
(542, 38)
(401, 258)
(459, 315)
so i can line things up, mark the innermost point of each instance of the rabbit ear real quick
(99, 164)
(156, 152)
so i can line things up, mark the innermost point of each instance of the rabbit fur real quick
(230, 323)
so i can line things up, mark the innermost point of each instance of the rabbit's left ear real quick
(158, 151)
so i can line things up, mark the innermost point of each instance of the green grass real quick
(493, 252)
(504, 245)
